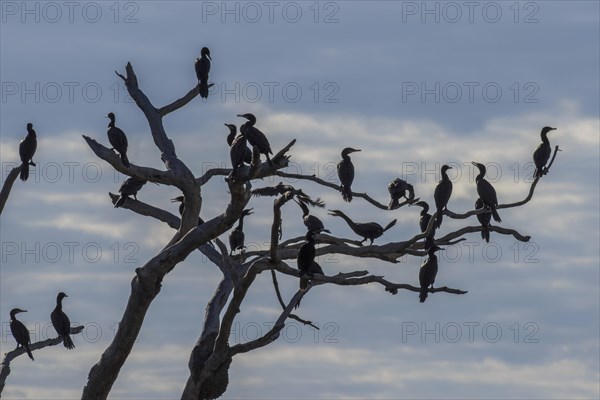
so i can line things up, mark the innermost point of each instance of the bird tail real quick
(422, 295)
(485, 233)
(67, 342)
(303, 284)
(125, 160)
(24, 171)
(394, 203)
(28, 350)
(347, 194)
(269, 159)
(120, 201)
(495, 215)
(204, 89)
(389, 225)
(438, 218)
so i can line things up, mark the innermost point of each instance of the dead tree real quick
(212, 355)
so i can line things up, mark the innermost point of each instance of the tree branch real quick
(144, 173)
(322, 182)
(509, 205)
(8, 183)
(11, 355)
(177, 104)
(282, 303)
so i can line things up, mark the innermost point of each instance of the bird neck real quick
(544, 136)
(304, 208)
(111, 124)
(480, 176)
(230, 138)
(346, 157)
(241, 223)
(445, 176)
(347, 219)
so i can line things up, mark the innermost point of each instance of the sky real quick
(414, 85)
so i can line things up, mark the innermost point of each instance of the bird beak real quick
(23, 311)
(208, 55)
(553, 129)
(241, 115)
(66, 295)
(174, 200)
(474, 163)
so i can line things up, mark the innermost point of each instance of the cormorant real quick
(117, 139)
(428, 271)
(345, 171)
(239, 151)
(311, 222)
(305, 258)
(27, 150)
(442, 194)
(236, 237)
(281, 189)
(202, 67)
(61, 322)
(423, 222)
(255, 137)
(486, 191)
(541, 155)
(367, 230)
(397, 189)
(181, 200)
(20, 332)
(129, 187)
(484, 220)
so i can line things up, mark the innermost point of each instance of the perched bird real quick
(442, 194)
(129, 187)
(486, 191)
(289, 190)
(484, 219)
(541, 155)
(311, 222)
(428, 271)
(255, 137)
(61, 322)
(424, 222)
(181, 201)
(305, 258)
(345, 171)
(239, 151)
(20, 332)
(27, 150)
(367, 230)
(117, 139)
(397, 189)
(202, 67)
(236, 237)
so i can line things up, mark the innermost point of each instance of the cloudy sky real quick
(414, 85)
